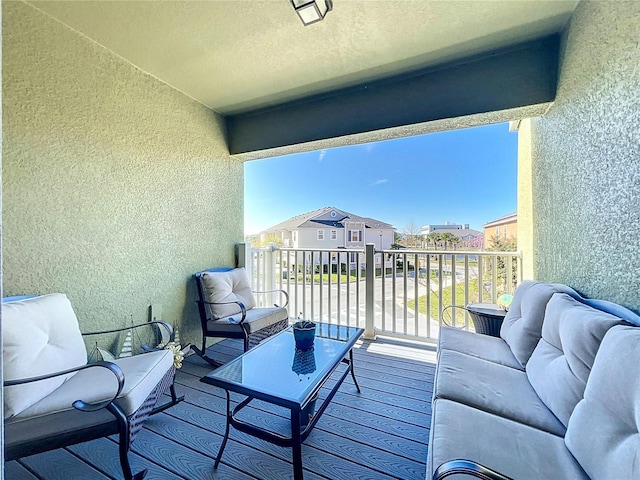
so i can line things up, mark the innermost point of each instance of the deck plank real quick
(61, 465)
(102, 454)
(380, 433)
(15, 471)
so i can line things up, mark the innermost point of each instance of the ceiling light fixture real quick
(311, 11)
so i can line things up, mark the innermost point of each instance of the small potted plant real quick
(304, 333)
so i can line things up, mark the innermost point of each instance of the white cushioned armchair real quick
(54, 398)
(228, 309)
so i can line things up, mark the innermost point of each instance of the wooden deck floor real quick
(381, 433)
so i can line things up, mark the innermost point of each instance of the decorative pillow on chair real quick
(40, 335)
(230, 286)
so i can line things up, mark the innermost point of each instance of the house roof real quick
(318, 218)
(510, 218)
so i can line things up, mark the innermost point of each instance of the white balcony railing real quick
(404, 298)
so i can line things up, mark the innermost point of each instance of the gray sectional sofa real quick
(556, 396)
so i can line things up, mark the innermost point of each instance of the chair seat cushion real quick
(512, 448)
(489, 348)
(256, 319)
(40, 335)
(493, 388)
(141, 372)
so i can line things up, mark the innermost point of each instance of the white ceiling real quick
(239, 55)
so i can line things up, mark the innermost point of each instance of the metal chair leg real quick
(124, 443)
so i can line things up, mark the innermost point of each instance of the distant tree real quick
(448, 239)
(397, 238)
(257, 242)
(476, 242)
(412, 234)
(434, 238)
(504, 245)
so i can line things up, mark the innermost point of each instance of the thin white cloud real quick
(322, 155)
(379, 182)
(368, 147)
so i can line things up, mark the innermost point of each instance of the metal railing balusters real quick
(494, 273)
(416, 294)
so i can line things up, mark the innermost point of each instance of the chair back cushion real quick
(561, 363)
(40, 335)
(226, 286)
(603, 429)
(522, 326)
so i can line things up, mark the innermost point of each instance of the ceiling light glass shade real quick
(311, 11)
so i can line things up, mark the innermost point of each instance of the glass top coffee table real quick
(278, 374)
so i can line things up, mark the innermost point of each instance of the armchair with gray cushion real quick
(53, 398)
(228, 309)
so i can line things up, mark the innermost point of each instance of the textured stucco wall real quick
(586, 158)
(526, 232)
(117, 188)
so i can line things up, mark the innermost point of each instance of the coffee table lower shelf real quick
(299, 432)
(301, 422)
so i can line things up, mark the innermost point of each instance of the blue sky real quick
(463, 176)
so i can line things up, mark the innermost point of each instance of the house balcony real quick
(381, 433)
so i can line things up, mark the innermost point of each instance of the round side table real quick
(487, 317)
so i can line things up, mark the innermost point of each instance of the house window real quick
(334, 234)
(294, 236)
(320, 234)
(354, 235)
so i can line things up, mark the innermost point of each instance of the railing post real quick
(244, 258)
(270, 267)
(243, 252)
(369, 331)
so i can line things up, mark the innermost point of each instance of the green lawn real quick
(325, 278)
(446, 299)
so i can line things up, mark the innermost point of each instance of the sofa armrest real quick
(80, 404)
(467, 467)
(283, 292)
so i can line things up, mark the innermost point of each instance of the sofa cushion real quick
(512, 448)
(493, 388)
(256, 319)
(141, 375)
(40, 335)
(493, 349)
(603, 432)
(227, 286)
(560, 365)
(522, 326)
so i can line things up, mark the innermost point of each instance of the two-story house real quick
(502, 228)
(329, 229)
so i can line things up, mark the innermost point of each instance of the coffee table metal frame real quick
(299, 433)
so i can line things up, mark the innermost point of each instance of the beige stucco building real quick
(503, 228)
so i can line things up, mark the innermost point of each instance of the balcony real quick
(381, 433)
(405, 301)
